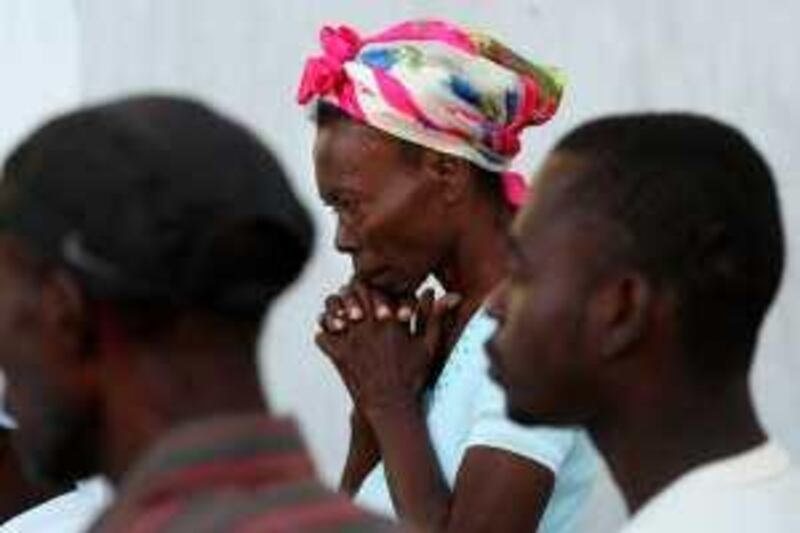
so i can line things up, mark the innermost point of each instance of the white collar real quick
(759, 463)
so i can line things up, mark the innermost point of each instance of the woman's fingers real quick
(331, 324)
(405, 309)
(381, 308)
(424, 310)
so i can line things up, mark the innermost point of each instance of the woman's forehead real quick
(345, 139)
(353, 153)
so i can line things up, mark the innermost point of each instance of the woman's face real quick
(391, 219)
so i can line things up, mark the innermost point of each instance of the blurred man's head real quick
(129, 228)
(649, 257)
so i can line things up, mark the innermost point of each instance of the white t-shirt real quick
(466, 408)
(757, 491)
(72, 512)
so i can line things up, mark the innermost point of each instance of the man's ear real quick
(449, 172)
(622, 307)
(64, 314)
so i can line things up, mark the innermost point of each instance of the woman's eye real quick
(347, 206)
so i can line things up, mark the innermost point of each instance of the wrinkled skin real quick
(391, 219)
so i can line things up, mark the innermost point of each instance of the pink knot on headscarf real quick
(341, 44)
(515, 189)
(505, 141)
(325, 74)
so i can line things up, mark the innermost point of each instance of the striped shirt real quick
(244, 474)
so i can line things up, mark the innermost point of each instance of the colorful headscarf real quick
(435, 85)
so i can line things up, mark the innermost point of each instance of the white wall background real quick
(38, 64)
(736, 59)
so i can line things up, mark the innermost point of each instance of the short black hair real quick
(488, 183)
(699, 208)
(158, 202)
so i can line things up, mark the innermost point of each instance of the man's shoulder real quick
(298, 507)
(307, 506)
(246, 472)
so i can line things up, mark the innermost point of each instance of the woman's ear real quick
(451, 173)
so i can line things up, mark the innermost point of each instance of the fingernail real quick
(356, 313)
(404, 314)
(453, 299)
(338, 324)
(383, 312)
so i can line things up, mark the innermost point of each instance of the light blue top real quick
(466, 408)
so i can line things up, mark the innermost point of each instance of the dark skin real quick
(401, 221)
(19, 492)
(615, 364)
(89, 394)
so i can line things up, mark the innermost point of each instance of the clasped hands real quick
(386, 351)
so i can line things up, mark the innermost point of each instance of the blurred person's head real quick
(417, 127)
(642, 271)
(141, 242)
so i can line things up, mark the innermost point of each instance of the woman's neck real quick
(475, 265)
